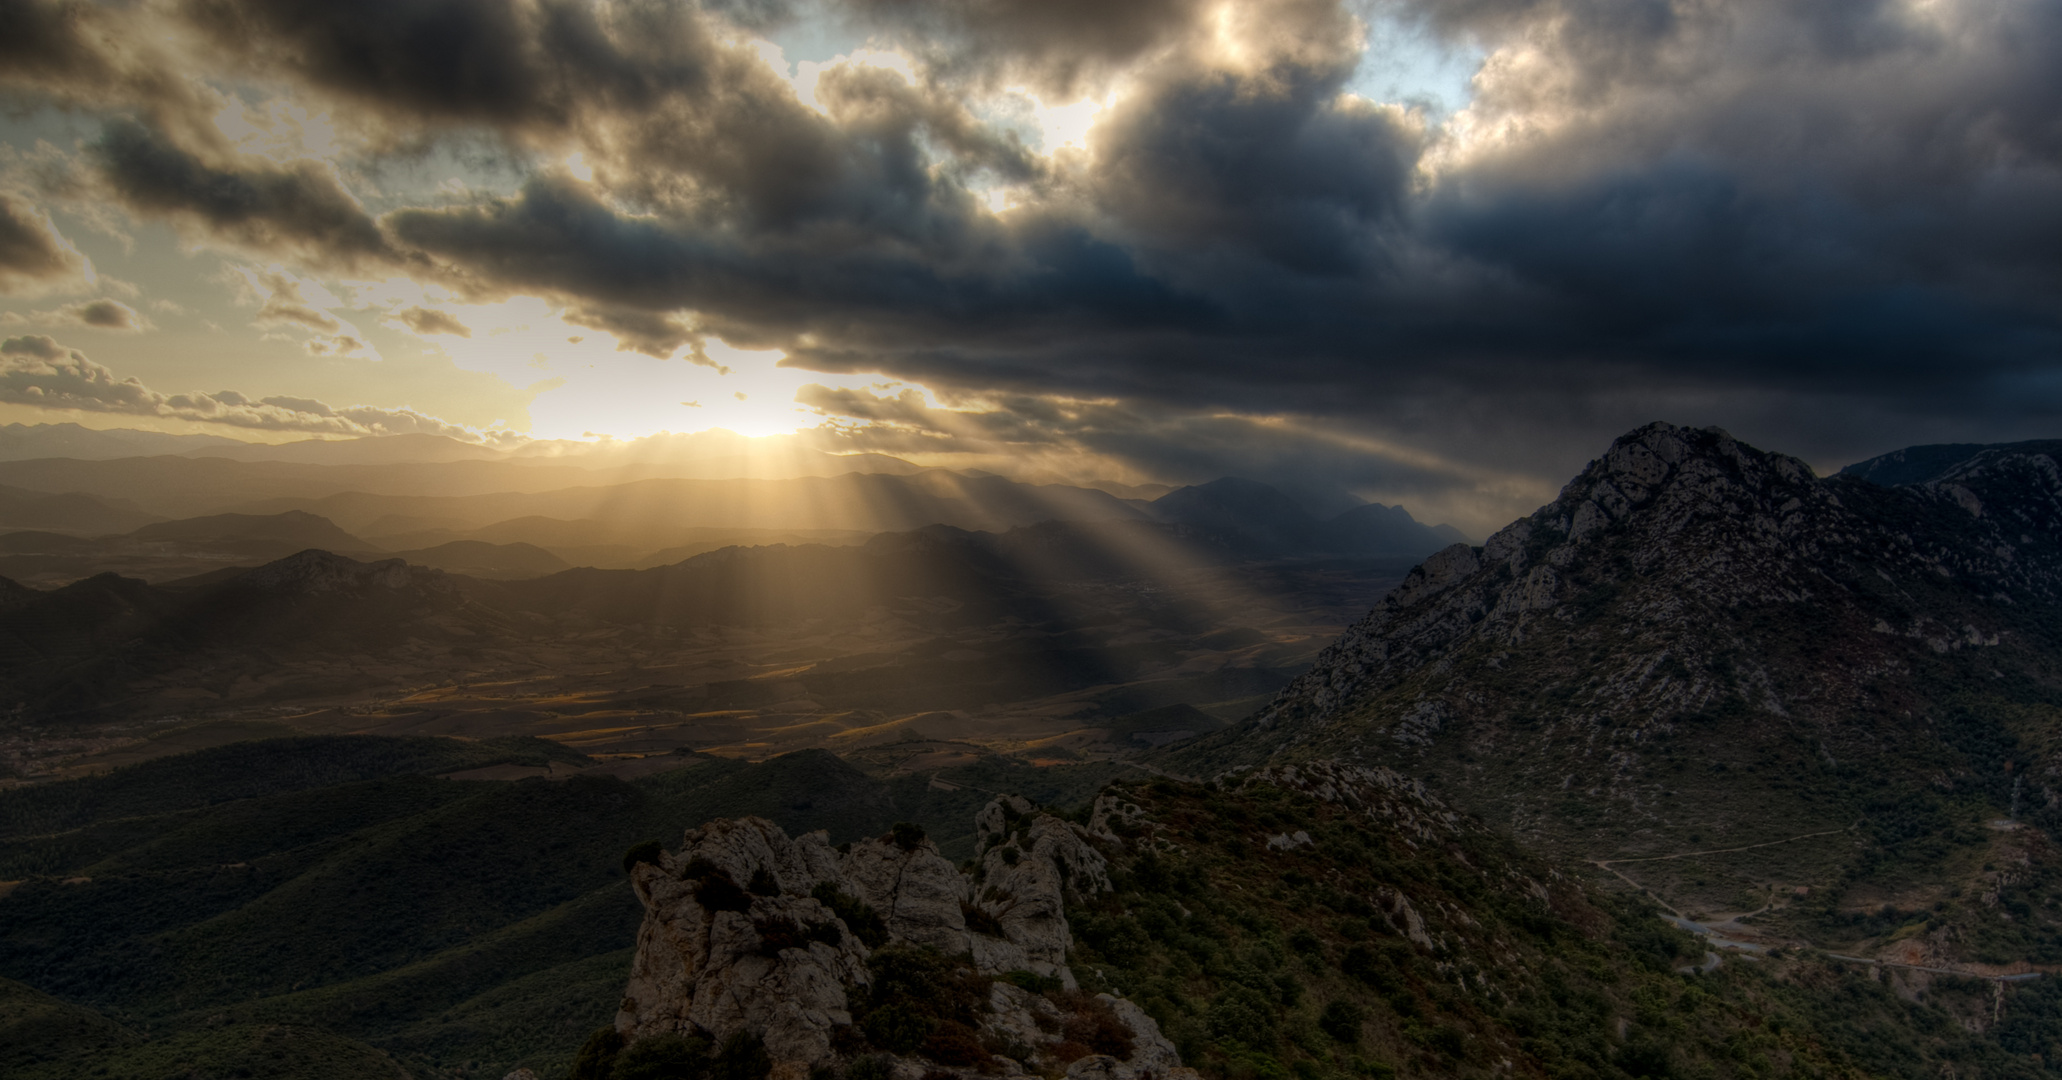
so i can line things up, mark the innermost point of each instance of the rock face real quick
(738, 936)
(1028, 862)
(732, 940)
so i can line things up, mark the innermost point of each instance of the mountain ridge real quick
(1699, 644)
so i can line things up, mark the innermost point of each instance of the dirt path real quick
(1606, 863)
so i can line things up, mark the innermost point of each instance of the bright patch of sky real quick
(1407, 64)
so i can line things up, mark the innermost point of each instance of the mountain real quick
(293, 530)
(170, 550)
(74, 651)
(1245, 512)
(68, 512)
(1700, 646)
(370, 450)
(1259, 518)
(477, 558)
(1378, 528)
(1919, 464)
(23, 441)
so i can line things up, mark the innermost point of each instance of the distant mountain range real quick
(277, 508)
(1264, 519)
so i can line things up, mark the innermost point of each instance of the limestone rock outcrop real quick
(918, 892)
(749, 930)
(732, 940)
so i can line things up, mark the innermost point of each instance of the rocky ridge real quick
(748, 930)
(1702, 644)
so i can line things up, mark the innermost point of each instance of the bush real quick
(979, 920)
(1341, 1020)
(954, 1043)
(597, 1057)
(715, 890)
(871, 1067)
(864, 922)
(907, 835)
(663, 1057)
(647, 852)
(1244, 1015)
(743, 1057)
(1033, 981)
(899, 1028)
(779, 932)
(1090, 1021)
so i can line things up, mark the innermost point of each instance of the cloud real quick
(431, 321)
(1706, 209)
(36, 370)
(299, 209)
(33, 254)
(104, 314)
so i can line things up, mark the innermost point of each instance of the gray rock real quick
(917, 892)
(1024, 878)
(711, 969)
(710, 956)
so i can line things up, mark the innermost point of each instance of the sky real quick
(1435, 252)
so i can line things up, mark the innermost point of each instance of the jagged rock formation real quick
(749, 930)
(1702, 639)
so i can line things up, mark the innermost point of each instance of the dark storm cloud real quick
(517, 63)
(297, 209)
(32, 254)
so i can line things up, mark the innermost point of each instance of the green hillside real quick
(231, 905)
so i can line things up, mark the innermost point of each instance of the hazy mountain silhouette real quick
(1263, 519)
(477, 558)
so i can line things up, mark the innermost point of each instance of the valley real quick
(1711, 768)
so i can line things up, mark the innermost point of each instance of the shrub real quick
(871, 1067)
(1341, 1020)
(1242, 1014)
(980, 921)
(954, 1043)
(864, 922)
(663, 1057)
(715, 890)
(743, 1057)
(899, 1028)
(938, 986)
(777, 933)
(1033, 981)
(1093, 1023)
(597, 1057)
(907, 835)
(647, 852)
(1070, 1051)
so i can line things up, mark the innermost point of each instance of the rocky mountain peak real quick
(1690, 605)
(316, 572)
